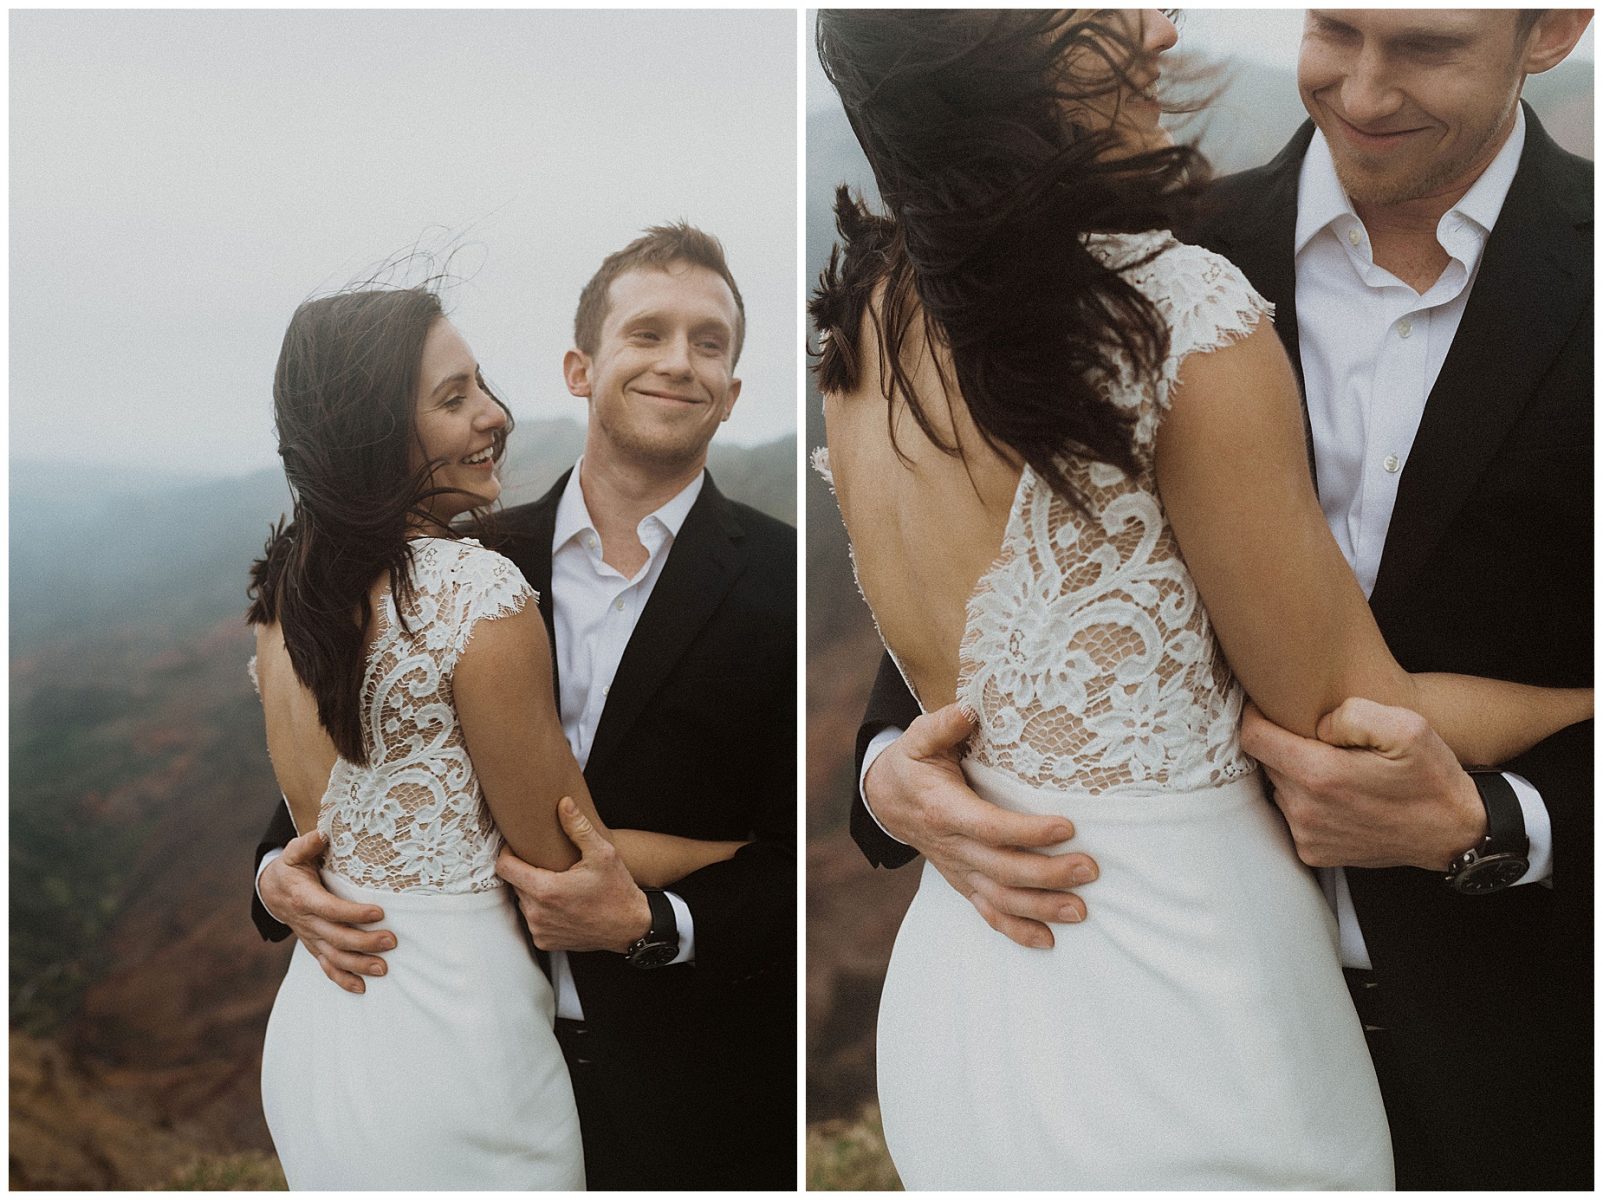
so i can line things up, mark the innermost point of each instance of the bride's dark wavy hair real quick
(344, 407)
(991, 177)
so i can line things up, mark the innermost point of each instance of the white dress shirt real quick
(596, 610)
(1371, 349)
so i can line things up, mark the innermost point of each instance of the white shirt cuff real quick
(875, 748)
(1538, 827)
(274, 855)
(687, 929)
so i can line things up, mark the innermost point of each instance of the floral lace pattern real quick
(415, 819)
(1087, 658)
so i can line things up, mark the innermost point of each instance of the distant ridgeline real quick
(93, 548)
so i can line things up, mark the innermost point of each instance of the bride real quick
(1037, 400)
(405, 676)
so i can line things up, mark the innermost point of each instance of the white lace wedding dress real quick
(446, 1073)
(1194, 1032)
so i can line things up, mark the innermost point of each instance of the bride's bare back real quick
(925, 525)
(302, 753)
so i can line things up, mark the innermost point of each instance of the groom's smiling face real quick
(1412, 102)
(662, 378)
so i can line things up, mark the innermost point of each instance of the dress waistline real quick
(415, 901)
(1125, 805)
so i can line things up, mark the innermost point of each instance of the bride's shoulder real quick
(469, 569)
(1204, 298)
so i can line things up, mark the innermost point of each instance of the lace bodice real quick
(1087, 658)
(415, 819)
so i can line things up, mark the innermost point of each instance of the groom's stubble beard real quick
(1430, 177)
(668, 453)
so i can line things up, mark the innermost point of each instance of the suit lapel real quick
(527, 543)
(1523, 305)
(703, 562)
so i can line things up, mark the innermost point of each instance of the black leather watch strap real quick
(660, 945)
(1505, 821)
(1501, 858)
(665, 926)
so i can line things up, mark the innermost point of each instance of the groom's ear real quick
(1555, 34)
(576, 370)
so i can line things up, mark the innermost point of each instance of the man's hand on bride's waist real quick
(293, 893)
(916, 791)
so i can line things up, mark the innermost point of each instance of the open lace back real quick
(1087, 658)
(414, 818)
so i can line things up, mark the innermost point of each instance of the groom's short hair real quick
(657, 249)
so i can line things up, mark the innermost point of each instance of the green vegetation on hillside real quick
(70, 752)
(850, 1156)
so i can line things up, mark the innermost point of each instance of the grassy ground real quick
(850, 1156)
(230, 1173)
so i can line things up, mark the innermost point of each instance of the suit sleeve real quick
(278, 834)
(889, 704)
(744, 909)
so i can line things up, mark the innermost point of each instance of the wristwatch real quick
(1503, 855)
(660, 944)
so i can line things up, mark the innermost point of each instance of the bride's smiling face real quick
(1117, 88)
(461, 427)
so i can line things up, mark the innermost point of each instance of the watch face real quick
(1491, 874)
(656, 954)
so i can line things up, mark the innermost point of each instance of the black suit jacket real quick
(698, 738)
(1487, 570)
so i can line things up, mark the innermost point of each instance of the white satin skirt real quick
(445, 1074)
(1194, 1032)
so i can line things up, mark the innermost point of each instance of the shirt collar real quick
(1321, 199)
(1484, 200)
(573, 517)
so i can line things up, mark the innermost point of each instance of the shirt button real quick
(1391, 464)
(1405, 327)
(619, 606)
(1353, 236)
(590, 543)
(607, 689)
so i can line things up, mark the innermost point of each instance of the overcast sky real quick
(181, 180)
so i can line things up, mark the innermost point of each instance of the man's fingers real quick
(346, 938)
(1032, 934)
(326, 906)
(579, 828)
(346, 980)
(1280, 749)
(333, 960)
(518, 873)
(1027, 869)
(1029, 903)
(939, 732)
(305, 850)
(1357, 722)
(987, 823)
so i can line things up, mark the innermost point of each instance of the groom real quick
(1429, 252)
(672, 616)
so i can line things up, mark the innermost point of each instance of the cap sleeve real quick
(482, 586)
(1203, 299)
